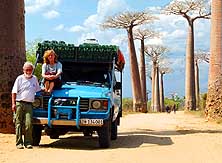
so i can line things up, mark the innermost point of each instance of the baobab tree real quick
(128, 20)
(142, 35)
(12, 52)
(199, 56)
(191, 10)
(164, 69)
(213, 108)
(155, 52)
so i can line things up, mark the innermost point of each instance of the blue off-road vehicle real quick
(90, 99)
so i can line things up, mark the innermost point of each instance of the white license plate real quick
(91, 121)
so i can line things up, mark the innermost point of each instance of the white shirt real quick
(25, 89)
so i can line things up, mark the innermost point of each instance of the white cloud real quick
(200, 34)
(168, 22)
(155, 41)
(84, 36)
(174, 32)
(59, 27)
(201, 27)
(33, 6)
(51, 14)
(91, 24)
(77, 28)
(177, 22)
(104, 8)
(177, 63)
(177, 34)
(153, 9)
(110, 7)
(92, 21)
(119, 39)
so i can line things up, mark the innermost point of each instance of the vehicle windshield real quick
(86, 75)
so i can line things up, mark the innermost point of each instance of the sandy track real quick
(143, 138)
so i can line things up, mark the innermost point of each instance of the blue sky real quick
(73, 21)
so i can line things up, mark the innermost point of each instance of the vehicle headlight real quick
(99, 104)
(96, 104)
(37, 103)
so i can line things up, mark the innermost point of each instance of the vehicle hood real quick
(75, 90)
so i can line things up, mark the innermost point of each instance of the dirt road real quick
(143, 138)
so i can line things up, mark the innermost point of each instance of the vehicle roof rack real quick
(85, 52)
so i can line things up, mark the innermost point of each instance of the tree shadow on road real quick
(133, 139)
(124, 140)
(179, 131)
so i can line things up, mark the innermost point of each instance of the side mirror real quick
(118, 85)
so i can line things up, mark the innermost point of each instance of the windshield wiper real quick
(70, 83)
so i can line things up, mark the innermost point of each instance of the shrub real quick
(31, 48)
(127, 105)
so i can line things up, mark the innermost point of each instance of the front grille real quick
(45, 102)
(84, 104)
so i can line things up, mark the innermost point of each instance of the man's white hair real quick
(28, 64)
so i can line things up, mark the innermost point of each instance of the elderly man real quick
(23, 94)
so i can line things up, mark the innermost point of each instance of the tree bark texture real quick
(156, 91)
(162, 106)
(190, 101)
(197, 87)
(214, 97)
(143, 77)
(153, 87)
(134, 70)
(12, 52)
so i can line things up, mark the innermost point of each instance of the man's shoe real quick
(29, 146)
(19, 146)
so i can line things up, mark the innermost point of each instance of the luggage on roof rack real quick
(83, 53)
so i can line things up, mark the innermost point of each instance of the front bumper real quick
(82, 122)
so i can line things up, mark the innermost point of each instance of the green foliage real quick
(31, 48)
(177, 101)
(127, 105)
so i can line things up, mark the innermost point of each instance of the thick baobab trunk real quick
(214, 97)
(162, 106)
(190, 101)
(156, 101)
(143, 77)
(197, 88)
(136, 87)
(12, 52)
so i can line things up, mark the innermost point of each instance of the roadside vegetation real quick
(128, 104)
(178, 101)
(31, 48)
(200, 112)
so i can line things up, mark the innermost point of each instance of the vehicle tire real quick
(36, 134)
(54, 136)
(114, 130)
(105, 135)
(87, 133)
